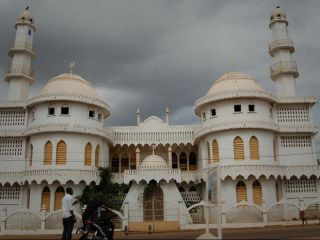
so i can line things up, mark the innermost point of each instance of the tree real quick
(110, 192)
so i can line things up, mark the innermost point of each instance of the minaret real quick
(20, 75)
(284, 70)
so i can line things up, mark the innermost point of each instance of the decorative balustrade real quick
(135, 135)
(289, 67)
(23, 44)
(20, 69)
(281, 43)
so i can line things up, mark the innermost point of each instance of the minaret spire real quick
(284, 70)
(19, 74)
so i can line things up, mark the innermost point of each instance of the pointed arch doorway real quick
(153, 203)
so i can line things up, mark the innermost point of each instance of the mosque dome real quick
(154, 161)
(70, 87)
(234, 81)
(69, 83)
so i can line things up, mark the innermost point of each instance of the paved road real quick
(277, 232)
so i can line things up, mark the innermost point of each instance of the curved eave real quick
(263, 125)
(66, 128)
(72, 98)
(208, 99)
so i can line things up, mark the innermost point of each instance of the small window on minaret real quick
(213, 112)
(29, 32)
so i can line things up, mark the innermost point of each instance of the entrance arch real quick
(153, 203)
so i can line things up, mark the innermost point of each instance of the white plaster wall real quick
(78, 114)
(226, 152)
(14, 163)
(225, 111)
(75, 150)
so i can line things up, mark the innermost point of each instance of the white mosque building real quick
(264, 143)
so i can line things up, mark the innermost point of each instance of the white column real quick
(137, 158)
(170, 156)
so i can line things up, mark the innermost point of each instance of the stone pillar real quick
(119, 156)
(43, 217)
(301, 203)
(223, 213)
(125, 221)
(181, 217)
(264, 211)
(178, 160)
(188, 153)
(170, 156)
(137, 158)
(3, 216)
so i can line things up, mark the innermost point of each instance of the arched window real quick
(47, 160)
(30, 155)
(241, 192)
(183, 161)
(174, 160)
(238, 148)
(97, 156)
(58, 198)
(208, 151)
(192, 189)
(254, 148)
(133, 161)
(215, 147)
(257, 193)
(124, 162)
(45, 199)
(61, 155)
(87, 154)
(115, 163)
(181, 189)
(192, 161)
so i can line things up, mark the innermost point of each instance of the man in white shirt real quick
(68, 218)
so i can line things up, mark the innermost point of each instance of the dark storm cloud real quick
(154, 54)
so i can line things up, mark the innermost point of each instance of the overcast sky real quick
(157, 54)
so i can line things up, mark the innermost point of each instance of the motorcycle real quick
(101, 228)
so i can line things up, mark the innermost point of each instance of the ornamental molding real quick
(296, 100)
(298, 128)
(222, 126)
(16, 132)
(50, 176)
(70, 97)
(149, 174)
(13, 104)
(232, 95)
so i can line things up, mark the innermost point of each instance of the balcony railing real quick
(287, 67)
(281, 43)
(17, 69)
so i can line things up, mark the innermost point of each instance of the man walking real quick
(68, 218)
